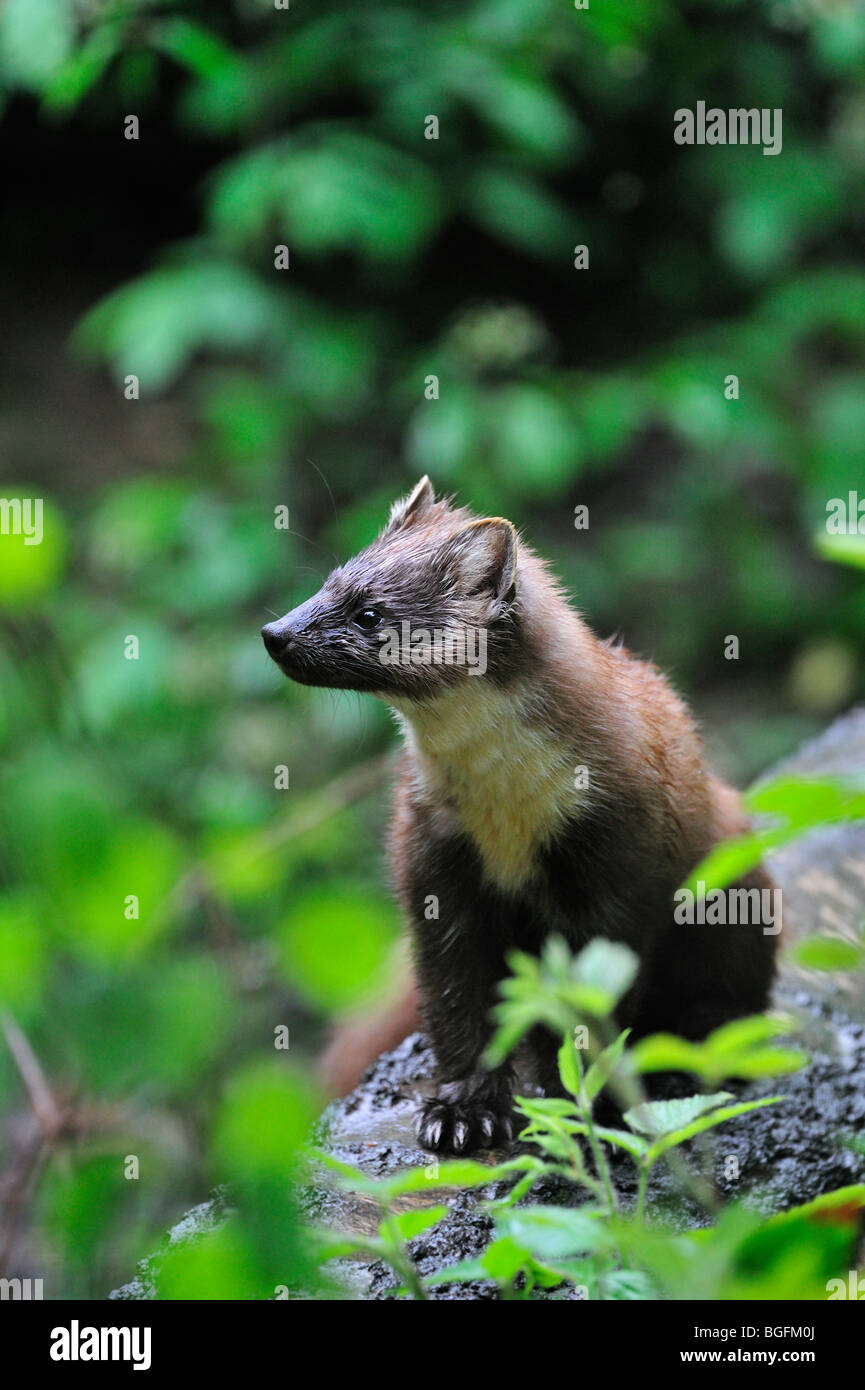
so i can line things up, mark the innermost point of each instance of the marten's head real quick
(431, 603)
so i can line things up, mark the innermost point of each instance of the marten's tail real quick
(356, 1043)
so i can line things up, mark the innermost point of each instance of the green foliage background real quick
(305, 388)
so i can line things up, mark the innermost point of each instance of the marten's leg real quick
(458, 971)
(460, 937)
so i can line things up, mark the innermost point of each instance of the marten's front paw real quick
(457, 1127)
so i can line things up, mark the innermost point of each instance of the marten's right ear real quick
(409, 508)
(484, 556)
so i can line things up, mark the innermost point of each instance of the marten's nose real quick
(277, 638)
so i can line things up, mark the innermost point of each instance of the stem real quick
(600, 1161)
(629, 1090)
(701, 1191)
(601, 1165)
(641, 1192)
(400, 1260)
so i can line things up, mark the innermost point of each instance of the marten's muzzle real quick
(288, 641)
(278, 638)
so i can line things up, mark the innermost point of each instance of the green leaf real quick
(535, 442)
(542, 1132)
(845, 550)
(33, 546)
(797, 805)
(335, 944)
(729, 861)
(806, 803)
(24, 953)
(465, 1272)
(740, 1034)
(828, 953)
(217, 1265)
(332, 189)
(553, 1232)
(71, 82)
(627, 1285)
(36, 38)
(119, 910)
(412, 1223)
(543, 1106)
(656, 1117)
(153, 326)
(843, 1201)
(195, 47)
(603, 1067)
(733, 1050)
(518, 210)
(666, 1052)
(457, 1172)
(570, 1069)
(503, 1260)
(263, 1121)
(717, 1117)
(608, 967)
(633, 1144)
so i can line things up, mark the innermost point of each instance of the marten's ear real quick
(484, 555)
(409, 508)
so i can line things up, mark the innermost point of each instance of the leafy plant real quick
(543, 1247)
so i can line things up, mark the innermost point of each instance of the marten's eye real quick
(367, 619)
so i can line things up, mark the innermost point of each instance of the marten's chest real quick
(508, 781)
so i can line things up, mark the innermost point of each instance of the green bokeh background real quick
(304, 388)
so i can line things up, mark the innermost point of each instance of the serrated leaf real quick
(656, 1117)
(550, 1232)
(717, 1117)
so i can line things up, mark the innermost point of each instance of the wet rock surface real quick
(197, 1222)
(784, 1154)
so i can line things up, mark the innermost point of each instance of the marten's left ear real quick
(484, 554)
(409, 508)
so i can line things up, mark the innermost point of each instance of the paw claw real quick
(462, 1125)
(461, 1136)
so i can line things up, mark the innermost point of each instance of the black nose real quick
(277, 639)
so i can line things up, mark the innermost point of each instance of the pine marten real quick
(550, 782)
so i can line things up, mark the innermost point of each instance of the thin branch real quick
(337, 796)
(40, 1094)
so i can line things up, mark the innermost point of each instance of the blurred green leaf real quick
(36, 38)
(828, 953)
(335, 944)
(33, 545)
(153, 327)
(264, 1121)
